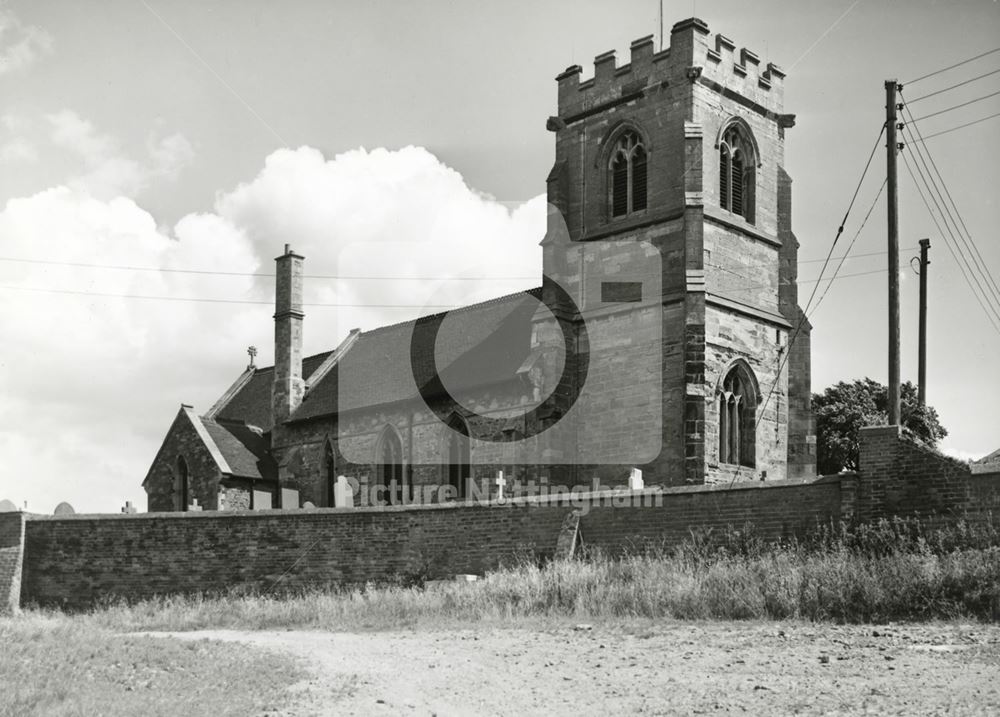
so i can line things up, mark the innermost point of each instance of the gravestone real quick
(129, 508)
(289, 499)
(7, 507)
(635, 481)
(308, 505)
(64, 508)
(194, 507)
(343, 493)
(501, 484)
(263, 499)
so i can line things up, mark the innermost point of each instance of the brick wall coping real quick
(569, 499)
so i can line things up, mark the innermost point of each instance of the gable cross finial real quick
(252, 352)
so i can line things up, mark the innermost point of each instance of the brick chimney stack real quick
(286, 394)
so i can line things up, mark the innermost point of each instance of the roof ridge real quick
(261, 369)
(467, 307)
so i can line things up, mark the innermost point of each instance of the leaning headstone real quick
(7, 506)
(64, 508)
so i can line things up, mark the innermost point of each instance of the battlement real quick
(694, 55)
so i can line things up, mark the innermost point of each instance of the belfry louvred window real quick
(737, 181)
(628, 175)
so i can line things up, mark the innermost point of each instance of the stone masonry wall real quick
(182, 441)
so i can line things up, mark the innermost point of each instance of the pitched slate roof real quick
(477, 345)
(251, 403)
(245, 450)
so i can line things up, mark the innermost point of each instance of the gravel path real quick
(667, 668)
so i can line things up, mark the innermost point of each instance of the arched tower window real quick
(737, 172)
(182, 486)
(330, 469)
(737, 418)
(389, 466)
(627, 170)
(457, 457)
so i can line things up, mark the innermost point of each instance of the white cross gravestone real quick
(343, 493)
(635, 480)
(194, 507)
(501, 483)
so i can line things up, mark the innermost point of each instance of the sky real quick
(152, 139)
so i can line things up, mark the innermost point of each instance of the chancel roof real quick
(476, 346)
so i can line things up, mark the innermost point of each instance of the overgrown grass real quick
(895, 570)
(61, 665)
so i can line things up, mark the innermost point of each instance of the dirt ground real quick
(644, 668)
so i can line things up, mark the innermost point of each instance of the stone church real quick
(666, 334)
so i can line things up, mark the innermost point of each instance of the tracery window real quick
(627, 170)
(737, 418)
(737, 172)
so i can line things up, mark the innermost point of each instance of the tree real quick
(844, 408)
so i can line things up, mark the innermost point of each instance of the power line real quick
(856, 256)
(119, 267)
(955, 107)
(218, 301)
(968, 239)
(952, 67)
(961, 126)
(951, 87)
(802, 319)
(849, 246)
(321, 305)
(947, 244)
(974, 260)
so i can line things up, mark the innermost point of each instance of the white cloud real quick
(20, 45)
(386, 213)
(108, 172)
(91, 383)
(18, 149)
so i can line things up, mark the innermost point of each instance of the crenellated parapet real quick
(694, 55)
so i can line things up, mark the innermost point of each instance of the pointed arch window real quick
(182, 485)
(458, 457)
(628, 171)
(330, 469)
(737, 418)
(737, 172)
(389, 474)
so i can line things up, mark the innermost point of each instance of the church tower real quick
(682, 150)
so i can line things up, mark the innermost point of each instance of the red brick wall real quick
(75, 560)
(11, 553)
(901, 477)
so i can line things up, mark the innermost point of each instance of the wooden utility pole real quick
(925, 244)
(893, 198)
